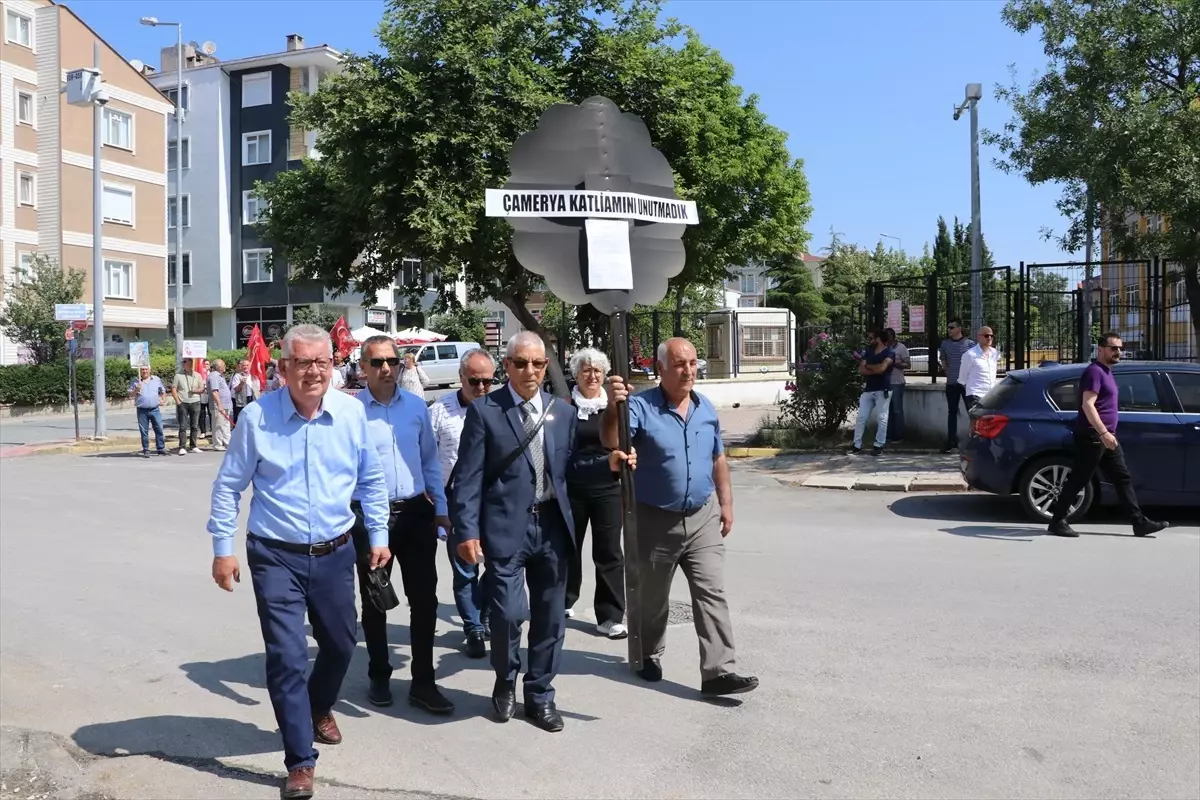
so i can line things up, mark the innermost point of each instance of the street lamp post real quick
(154, 22)
(899, 244)
(974, 94)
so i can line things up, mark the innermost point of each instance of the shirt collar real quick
(536, 401)
(289, 407)
(365, 395)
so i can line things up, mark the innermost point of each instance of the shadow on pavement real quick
(196, 742)
(1004, 518)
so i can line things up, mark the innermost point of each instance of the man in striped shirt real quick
(950, 354)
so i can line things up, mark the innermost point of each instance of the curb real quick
(70, 446)
(882, 483)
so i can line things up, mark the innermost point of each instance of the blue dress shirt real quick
(304, 474)
(675, 455)
(403, 438)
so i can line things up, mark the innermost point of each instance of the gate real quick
(997, 309)
(910, 306)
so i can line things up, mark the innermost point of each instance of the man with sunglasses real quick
(1096, 445)
(476, 372)
(979, 365)
(511, 505)
(398, 422)
(950, 356)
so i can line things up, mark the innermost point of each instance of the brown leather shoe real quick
(326, 730)
(299, 784)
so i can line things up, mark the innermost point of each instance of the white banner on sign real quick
(588, 203)
(609, 263)
(70, 312)
(894, 315)
(916, 319)
(197, 348)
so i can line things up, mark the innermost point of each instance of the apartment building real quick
(237, 132)
(750, 286)
(46, 169)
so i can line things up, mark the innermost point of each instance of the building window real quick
(118, 279)
(117, 204)
(271, 319)
(253, 207)
(118, 129)
(26, 189)
(187, 211)
(256, 266)
(173, 153)
(256, 147)
(24, 272)
(171, 95)
(498, 316)
(18, 29)
(749, 284)
(747, 302)
(24, 108)
(198, 324)
(256, 89)
(187, 276)
(760, 341)
(1132, 292)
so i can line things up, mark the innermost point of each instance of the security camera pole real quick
(974, 94)
(594, 211)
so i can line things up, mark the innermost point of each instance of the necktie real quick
(536, 455)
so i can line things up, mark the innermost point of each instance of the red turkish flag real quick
(200, 369)
(259, 356)
(343, 342)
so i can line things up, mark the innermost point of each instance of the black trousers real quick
(189, 424)
(414, 544)
(601, 507)
(955, 393)
(1091, 453)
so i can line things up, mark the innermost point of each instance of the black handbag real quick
(379, 590)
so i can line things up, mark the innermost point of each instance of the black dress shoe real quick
(545, 717)
(504, 700)
(380, 693)
(651, 670)
(486, 620)
(1059, 527)
(426, 695)
(729, 683)
(1145, 527)
(476, 645)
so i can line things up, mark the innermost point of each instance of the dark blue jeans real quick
(895, 431)
(955, 393)
(287, 586)
(468, 583)
(146, 418)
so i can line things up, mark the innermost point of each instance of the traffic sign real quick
(70, 312)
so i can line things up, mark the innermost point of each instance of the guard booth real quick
(750, 342)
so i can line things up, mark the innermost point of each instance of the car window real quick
(1065, 395)
(1001, 394)
(1137, 391)
(427, 354)
(1187, 388)
(446, 351)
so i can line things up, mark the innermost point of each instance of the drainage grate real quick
(678, 612)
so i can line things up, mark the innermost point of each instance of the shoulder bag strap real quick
(496, 471)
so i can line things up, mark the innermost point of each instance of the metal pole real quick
(74, 387)
(179, 196)
(976, 225)
(98, 394)
(619, 337)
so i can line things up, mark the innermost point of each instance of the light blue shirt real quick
(304, 474)
(675, 455)
(403, 439)
(148, 391)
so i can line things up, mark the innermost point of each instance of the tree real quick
(795, 290)
(28, 317)
(460, 324)
(412, 136)
(322, 316)
(845, 275)
(945, 255)
(1115, 120)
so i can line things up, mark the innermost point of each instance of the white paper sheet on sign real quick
(609, 263)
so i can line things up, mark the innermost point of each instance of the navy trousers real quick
(542, 564)
(286, 587)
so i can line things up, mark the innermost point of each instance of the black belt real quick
(318, 549)
(395, 506)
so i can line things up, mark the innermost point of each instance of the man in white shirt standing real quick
(476, 371)
(979, 364)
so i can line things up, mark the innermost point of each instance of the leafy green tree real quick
(411, 137)
(322, 316)
(28, 317)
(1115, 120)
(460, 324)
(795, 290)
(945, 255)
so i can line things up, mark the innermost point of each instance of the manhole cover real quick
(678, 612)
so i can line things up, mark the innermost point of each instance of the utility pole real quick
(99, 395)
(974, 94)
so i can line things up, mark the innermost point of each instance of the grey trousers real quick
(693, 542)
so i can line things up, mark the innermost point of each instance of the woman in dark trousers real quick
(595, 499)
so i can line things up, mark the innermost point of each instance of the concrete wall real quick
(925, 413)
(724, 393)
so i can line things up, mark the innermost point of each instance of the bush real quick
(825, 391)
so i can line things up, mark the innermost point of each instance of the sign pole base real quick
(619, 337)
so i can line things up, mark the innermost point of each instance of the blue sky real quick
(864, 88)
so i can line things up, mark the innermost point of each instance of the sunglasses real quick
(379, 362)
(1117, 347)
(985, 336)
(522, 363)
(479, 381)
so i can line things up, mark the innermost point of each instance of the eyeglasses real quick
(379, 362)
(479, 381)
(522, 363)
(1116, 347)
(305, 364)
(985, 336)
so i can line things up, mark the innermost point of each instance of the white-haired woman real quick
(595, 498)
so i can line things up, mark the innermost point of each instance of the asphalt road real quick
(908, 646)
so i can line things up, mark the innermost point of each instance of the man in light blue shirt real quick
(402, 437)
(148, 395)
(306, 451)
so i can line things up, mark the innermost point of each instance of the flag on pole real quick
(259, 356)
(343, 341)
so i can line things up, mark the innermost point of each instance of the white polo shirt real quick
(978, 372)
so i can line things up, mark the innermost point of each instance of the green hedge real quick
(28, 384)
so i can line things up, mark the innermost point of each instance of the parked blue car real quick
(1021, 444)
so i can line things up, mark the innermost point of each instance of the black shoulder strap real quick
(496, 471)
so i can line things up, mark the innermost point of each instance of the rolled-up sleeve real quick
(237, 470)
(372, 487)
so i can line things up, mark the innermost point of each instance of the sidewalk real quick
(891, 472)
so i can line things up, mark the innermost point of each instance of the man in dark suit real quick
(517, 514)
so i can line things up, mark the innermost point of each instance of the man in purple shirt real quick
(1096, 443)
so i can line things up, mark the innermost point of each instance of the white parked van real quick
(440, 360)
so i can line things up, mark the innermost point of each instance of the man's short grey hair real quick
(589, 356)
(380, 339)
(524, 339)
(304, 333)
(472, 353)
(661, 353)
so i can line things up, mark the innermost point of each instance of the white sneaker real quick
(570, 613)
(613, 630)
(220, 448)
(197, 450)
(183, 451)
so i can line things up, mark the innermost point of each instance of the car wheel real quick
(1041, 483)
